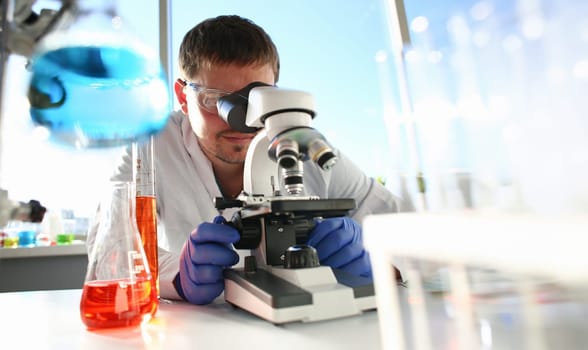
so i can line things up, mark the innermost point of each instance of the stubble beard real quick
(236, 154)
(230, 154)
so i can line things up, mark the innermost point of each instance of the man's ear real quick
(179, 86)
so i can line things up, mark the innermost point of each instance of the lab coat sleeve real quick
(168, 269)
(346, 180)
(377, 200)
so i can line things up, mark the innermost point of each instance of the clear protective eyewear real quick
(207, 97)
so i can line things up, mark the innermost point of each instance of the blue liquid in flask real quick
(93, 96)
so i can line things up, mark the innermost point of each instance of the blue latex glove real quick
(339, 245)
(205, 255)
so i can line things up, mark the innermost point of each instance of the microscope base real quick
(299, 295)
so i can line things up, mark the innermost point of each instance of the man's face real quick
(215, 136)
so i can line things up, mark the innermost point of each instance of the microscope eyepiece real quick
(233, 108)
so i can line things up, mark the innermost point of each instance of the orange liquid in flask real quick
(117, 303)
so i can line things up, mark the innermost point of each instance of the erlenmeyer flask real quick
(93, 83)
(118, 289)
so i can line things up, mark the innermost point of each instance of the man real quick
(198, 157)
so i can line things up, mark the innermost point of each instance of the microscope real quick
(282, 280)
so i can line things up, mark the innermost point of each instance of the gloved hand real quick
(339, 245)
(205, 254)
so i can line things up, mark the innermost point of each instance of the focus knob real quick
(301, 256)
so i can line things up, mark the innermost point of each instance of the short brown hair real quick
(226, 40)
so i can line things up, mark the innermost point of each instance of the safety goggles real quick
(207, 97)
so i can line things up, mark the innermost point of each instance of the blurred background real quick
(481, 109)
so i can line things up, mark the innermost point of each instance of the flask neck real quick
(96, 6)
(119, 206)
(97, 16)
(94, 23)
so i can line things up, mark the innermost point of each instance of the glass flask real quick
(145, 201)
(118, 289)
(93, 83)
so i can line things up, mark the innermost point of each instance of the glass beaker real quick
(93, 83)
(118, 289)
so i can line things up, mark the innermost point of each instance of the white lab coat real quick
(185, 187)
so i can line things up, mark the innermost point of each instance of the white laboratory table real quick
(51, 320)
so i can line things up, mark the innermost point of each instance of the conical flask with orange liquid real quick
(118, 289)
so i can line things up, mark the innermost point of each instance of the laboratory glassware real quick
(93, 83)
(495, 91)
(146, 203)
(118, 289)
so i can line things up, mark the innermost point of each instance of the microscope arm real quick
(261, 175)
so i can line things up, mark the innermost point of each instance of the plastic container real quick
(27, 234)
(11, 237)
